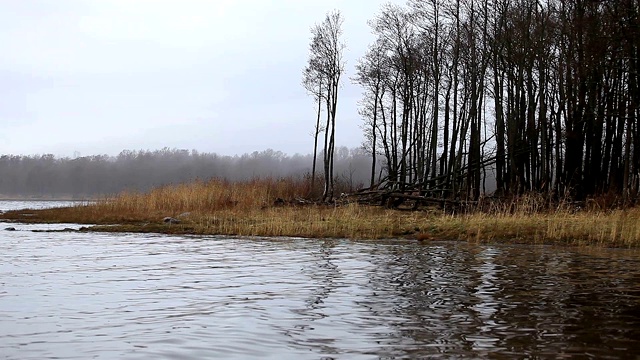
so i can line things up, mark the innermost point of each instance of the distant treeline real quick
(91, 176)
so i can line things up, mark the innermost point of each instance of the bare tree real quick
(326, 67)
(369, 75)
(543, 93)
(315, 85)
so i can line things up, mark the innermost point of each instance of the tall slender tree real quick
(326, 66)
(315, 85)
(369, 75)
(543, 93)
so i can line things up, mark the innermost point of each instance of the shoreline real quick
(61, 199)
(614, 229)
(274, 207)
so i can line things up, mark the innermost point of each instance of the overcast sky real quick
(101, 76)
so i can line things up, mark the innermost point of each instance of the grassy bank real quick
(250, 208)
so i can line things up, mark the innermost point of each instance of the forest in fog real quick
(459, 98)
(545, 92)
(94, 176)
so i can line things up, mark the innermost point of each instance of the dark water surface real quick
(124, 296)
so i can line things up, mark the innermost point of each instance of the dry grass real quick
(248, 209)
(619, 228)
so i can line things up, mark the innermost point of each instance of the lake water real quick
(74, 295)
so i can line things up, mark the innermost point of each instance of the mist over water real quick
(84, 177)
(139, 296)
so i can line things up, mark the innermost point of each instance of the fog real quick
(47, 176)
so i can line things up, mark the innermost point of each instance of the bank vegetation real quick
(271, 207)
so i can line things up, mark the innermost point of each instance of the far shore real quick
(256, 208)
(44, 198)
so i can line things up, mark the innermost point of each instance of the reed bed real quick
(267, 207)
(208, 196)
(618, 228)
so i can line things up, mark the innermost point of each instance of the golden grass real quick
(619, 228)
(248, 209)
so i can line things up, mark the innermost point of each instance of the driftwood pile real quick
(403, 199)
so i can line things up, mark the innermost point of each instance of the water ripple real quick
(131, 296)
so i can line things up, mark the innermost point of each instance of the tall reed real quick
(269, 207)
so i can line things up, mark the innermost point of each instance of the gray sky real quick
(100, 76)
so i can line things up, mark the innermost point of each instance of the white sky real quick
(101, 76)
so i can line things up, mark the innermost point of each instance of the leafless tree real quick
(543, 93)
(370, 74)
(325, 66)
(316, 86)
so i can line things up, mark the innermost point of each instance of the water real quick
(131, 296)
(6, 205)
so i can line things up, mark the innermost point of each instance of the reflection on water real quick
(77, 295)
